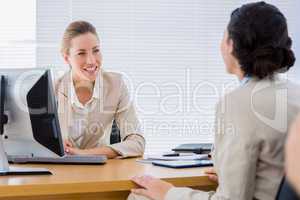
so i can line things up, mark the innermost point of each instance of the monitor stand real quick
(5, 169)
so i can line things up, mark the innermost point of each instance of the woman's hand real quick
(69, 149)
(76, 151)
(292, 152)
(152, 188)
(212, 175)
(67, 145)
(107, 151)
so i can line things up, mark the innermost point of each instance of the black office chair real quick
(286, 192)
(115, 136)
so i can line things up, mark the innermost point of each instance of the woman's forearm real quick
(109, 152)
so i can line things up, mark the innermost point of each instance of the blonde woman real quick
(90, 99)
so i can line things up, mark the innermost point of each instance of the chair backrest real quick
(286, 192)
(115, 136)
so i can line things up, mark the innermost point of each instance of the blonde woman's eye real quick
(96, 50)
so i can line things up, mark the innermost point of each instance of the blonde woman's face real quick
(84, 57)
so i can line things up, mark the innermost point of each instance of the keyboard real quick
(67, 159)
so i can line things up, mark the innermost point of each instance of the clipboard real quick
(184, 163)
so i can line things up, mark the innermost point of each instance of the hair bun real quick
(280, 58)
(288, 58)
(268, 60)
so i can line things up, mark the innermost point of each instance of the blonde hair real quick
(73, 30)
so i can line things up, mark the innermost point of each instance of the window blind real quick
(168, 52)
(17, 41)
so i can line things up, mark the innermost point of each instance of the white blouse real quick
(89, 125)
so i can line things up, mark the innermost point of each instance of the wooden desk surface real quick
(110, 181)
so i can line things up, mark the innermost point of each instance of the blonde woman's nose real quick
(91, 59)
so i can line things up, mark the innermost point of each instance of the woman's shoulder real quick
(262, 91)
(60, 80)
(112, 78)
(114, 86)
(111, 75)
(256, 96)
(259, 101)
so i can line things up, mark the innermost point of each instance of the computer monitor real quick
(42, 107)
(33, 126)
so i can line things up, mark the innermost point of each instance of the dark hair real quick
(260, 38)
(75, 29)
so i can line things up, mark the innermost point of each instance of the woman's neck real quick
(83, 89)
(239, 73)
(240, 76)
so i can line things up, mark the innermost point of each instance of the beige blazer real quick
(252, 123)
(114, 103)
(251, 127)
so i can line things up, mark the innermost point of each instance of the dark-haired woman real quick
(251, 121)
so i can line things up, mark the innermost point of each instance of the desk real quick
(109, 181)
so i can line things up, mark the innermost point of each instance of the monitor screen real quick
(30, 105)
(43, 114)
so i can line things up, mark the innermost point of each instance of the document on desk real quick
(152, 158)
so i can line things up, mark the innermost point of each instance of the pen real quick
(171, 154)
(177, 154)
